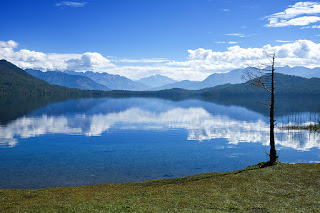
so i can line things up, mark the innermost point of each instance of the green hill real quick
(16, 82)
(285, 85)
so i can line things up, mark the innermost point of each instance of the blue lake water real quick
(98, 141)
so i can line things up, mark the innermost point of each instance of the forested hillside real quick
(285, 85)
(16, 82)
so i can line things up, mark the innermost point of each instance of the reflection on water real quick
(200, 124)
(97, 141)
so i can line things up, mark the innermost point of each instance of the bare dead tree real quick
(263, 76)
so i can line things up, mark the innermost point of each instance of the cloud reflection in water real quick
(200, 125)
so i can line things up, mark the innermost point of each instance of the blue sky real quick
(183, 39)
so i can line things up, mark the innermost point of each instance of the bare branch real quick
(267, 106)
(260, 76)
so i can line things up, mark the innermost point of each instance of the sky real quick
(181, 39)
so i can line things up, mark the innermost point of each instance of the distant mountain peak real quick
(156, 76)
(160, 76)
(157, 80)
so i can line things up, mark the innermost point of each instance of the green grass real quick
(279, 188)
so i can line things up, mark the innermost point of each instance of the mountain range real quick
(299, 71)
(103, 81)
(232, 77)
(99, 81)
(17, 82)
(114, 82)
(235, 76)
(66, 80)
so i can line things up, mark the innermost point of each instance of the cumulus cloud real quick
(71, 4)
(299, 53)
(299, 14)
(89, 61)
(8, 44)
(28, 59)
(300, 21)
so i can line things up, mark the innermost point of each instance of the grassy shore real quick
(280, 188)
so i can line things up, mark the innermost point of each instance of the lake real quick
(106, 140)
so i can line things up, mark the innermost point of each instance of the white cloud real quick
(300, 21)
(297, 9)
(8, 44)
(28, 59)
(224, 42)
(89, 61)
(299, 53)
(290, 17)
(225, 10)
(143, 60)
(283, 41)
(236, 34)
(71, 4)
(312, 27)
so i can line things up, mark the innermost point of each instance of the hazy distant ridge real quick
(232, 77)
(114, 82)
(66, 80)
(157, 80)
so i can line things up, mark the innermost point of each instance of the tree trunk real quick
(273, 153)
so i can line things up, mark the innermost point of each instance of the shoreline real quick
(312, 127)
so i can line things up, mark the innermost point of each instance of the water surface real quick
(97, 141)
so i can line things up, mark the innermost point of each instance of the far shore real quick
(315, 127)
